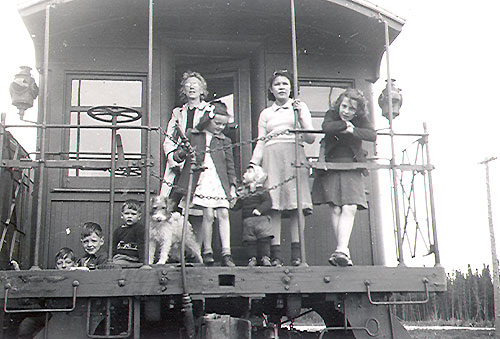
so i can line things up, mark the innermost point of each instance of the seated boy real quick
(92, 240)
(65, 260)
(128, 239)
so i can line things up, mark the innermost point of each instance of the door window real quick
(94, 144)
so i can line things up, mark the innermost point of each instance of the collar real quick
(286, 105)
(201, 105)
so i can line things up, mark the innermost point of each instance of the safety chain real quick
(241, 196)
(230, 146)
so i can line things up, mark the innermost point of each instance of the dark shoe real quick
(296, 262)
(277, 262)
(208, 259)
(265, 261)
(227, 261)
(252, 262)
(342, 259)
(332, 260)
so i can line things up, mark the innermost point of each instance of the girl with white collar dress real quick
(275, 152)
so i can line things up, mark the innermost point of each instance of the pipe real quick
(300, 214)
(41, 142)
(393, 156)
(431, 199)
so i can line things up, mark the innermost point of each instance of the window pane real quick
(106, 92)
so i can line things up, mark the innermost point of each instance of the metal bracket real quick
(400, 302)
(8, 286)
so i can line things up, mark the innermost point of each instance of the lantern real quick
(397, 100)
(23, 90)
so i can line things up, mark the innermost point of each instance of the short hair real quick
(132, 204)
(260, 174)
(280, 73)
(64, 253)
(190, 74)
(217, 107)
(356, 95)
(91, 227)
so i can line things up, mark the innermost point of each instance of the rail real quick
(8, 286)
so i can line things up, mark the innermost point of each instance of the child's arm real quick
(231, 172)
(364, 130)
(266, 203)
(332, 124)
(169, 145)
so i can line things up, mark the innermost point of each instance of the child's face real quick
(217, 124)
(92, 243)
(249, 176)
(347, 109)
(281, 89)
(65, 263)
(130, 216)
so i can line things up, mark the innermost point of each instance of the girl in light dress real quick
(214, 185)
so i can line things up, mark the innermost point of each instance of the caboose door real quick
(230, 83)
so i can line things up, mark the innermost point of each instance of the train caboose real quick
(109, 73)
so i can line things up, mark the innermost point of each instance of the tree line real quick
(468, 300)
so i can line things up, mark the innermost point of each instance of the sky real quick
(445, 60)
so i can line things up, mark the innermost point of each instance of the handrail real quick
(8, 286)
(399, 302)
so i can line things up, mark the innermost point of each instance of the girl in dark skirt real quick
(345, 126)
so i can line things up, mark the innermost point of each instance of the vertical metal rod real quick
(112, 190)
(393, 157)
(148, 134)
(494, 258)
(431, 201)
(2, 137)
(41, 142)
(298, 167)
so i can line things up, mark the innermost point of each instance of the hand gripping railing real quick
(8, 286)
(399, 302)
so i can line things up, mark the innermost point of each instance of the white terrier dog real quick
(166, 233)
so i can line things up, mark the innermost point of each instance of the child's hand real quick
(232, 191)
(180, 154)
(256, 212)
(15, 265)
(349, 128)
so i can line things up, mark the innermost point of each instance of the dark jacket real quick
(93, 260)
(222, 156)
(260, 200)
(333, 126)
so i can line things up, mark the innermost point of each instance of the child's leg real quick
(276, 227)
(264, 249)
(252, 252)
(224, 230)
(335, 212)
(206, 229)
(345, 224)
(296, 257)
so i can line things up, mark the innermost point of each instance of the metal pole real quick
(148, 134)
(112, 191)
(431, 198)
(494, 258)
(43, 118)
(298, 167)
(393, 157)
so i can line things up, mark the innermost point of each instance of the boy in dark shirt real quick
(92, 241)
(128, 239)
